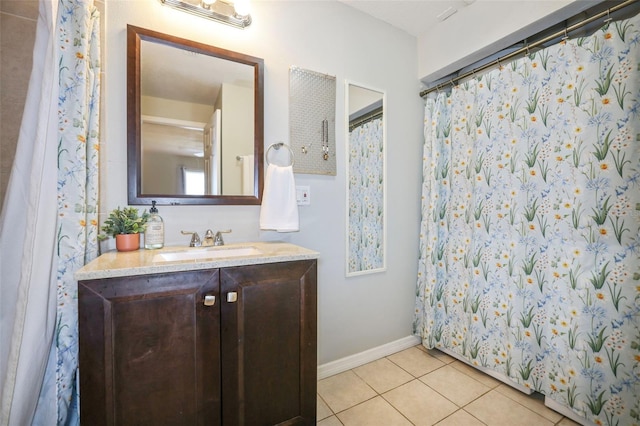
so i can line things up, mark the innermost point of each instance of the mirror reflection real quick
(366, 181)
(195, 122)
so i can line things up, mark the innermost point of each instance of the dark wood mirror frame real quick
(134, 142)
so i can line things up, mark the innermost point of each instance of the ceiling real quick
(412, 16)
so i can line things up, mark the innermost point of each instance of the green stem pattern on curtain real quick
(78, 147)
(530, 236)
(366, 198)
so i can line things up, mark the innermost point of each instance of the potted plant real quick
(125, 225)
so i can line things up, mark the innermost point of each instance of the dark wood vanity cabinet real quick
(159, 350)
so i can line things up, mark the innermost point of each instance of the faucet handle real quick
(195, 238)
(218, 241)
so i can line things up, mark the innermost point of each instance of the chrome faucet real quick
(208, 238)
(195, 238)
(217, 240)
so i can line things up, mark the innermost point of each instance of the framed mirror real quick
(366, 180)
(194, 122)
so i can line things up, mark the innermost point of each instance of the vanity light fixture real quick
(234, 13)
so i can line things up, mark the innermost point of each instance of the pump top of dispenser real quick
(153, 208)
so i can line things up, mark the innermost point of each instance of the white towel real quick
(247, 174)
(279, 209)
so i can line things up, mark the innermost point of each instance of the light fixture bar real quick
(232, 18)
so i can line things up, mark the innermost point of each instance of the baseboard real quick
(356, 360)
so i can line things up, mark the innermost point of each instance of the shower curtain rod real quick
(377, 113)
(528, 47)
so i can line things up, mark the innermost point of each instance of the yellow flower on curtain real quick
(562, 205)
(78, 116)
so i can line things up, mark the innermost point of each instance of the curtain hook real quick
(606, 21)
(526, 45)
(566, 35)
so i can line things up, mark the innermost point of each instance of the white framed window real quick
(193, 182)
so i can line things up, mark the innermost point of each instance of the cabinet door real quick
(268, 336)
(150, 349)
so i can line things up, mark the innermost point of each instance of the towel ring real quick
(277, 146)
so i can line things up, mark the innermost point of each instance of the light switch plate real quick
(303, 195)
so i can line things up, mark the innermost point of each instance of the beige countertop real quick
(141, 262)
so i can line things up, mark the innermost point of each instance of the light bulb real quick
(241, 7)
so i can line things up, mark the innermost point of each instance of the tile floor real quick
(426, 387)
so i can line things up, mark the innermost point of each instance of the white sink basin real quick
(206, 254)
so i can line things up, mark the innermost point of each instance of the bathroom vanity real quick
(199, 336)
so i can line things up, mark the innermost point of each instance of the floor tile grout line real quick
(395, 408)
(472, 415)
(364, 381)
(484, 393)
(395, 387)
(375, 390)
(476, 370)
(528, 408)
(335, 413)
(462, 372)
(453, 402)
(459, 409)
(414, 377)
(359, 403)
(325, 403)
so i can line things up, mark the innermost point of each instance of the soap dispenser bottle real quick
(154, 234)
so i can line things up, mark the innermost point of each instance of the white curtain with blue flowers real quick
(49, 222)
(366, 198)
(530, 236)
(78, 148)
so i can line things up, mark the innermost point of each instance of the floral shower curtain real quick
(366, 198)
(56, 163)
(78, 148)
(530, 236)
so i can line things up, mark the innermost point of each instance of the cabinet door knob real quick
(232, 296)
(209, 300)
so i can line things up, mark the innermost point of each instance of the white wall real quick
(486, 27)
(354, 314)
